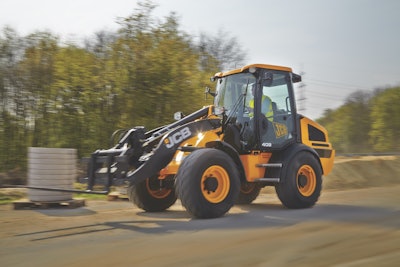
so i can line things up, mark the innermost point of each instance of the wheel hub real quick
(215, 184)
(210, 184)
(302, 180)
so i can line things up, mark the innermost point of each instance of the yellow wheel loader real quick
(225, 153)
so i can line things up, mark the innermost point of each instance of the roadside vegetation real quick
(9, 195)
(365, 122)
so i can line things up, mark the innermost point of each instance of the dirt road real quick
(346, 228)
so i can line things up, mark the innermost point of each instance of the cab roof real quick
(262, 66)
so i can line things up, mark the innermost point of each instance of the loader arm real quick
(157, 159)
(134, 151)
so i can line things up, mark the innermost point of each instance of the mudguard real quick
(159, 158)
(285, 157)
(232, 152)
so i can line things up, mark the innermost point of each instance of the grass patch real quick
(80, 186)
(90, 196)
(9, 195)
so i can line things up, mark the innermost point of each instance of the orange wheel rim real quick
(215, 184)
(157, 192)
(306, 180)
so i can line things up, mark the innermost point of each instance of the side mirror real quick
(296, 78)
(208, 91)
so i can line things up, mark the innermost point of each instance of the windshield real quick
(232, 89)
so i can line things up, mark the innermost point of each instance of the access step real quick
(268, 180)
(270, 165)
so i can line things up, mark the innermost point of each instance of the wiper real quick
(245, 94)
(236, 106)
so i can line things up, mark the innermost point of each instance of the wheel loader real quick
(225, 153)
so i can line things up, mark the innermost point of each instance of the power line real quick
(321, 100)
(325, 95)
(337, 84)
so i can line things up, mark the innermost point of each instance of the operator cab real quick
(257, 106)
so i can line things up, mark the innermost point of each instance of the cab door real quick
(275, 110)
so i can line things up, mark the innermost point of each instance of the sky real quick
(340, 46)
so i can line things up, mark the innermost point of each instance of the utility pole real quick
(301, 100)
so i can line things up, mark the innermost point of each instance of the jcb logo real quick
(280, 129)
(177, 137)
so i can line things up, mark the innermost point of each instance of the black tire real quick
(302, 185)
(207, 183)
(149, 196)
(248, 193)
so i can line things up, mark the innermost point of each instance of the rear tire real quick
(150, 196)
(248, 193)
(301, 187)
(207, 183)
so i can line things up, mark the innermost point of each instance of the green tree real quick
(78, 99)
(349, 125)
(13, 114)
(36, 70)
(385, 117)
(160, 69)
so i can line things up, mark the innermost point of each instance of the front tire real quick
(151, 196)
(207, 183)
(301, 187)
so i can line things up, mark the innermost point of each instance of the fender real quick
(154, 161)
(288, 154)
(231, 151)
